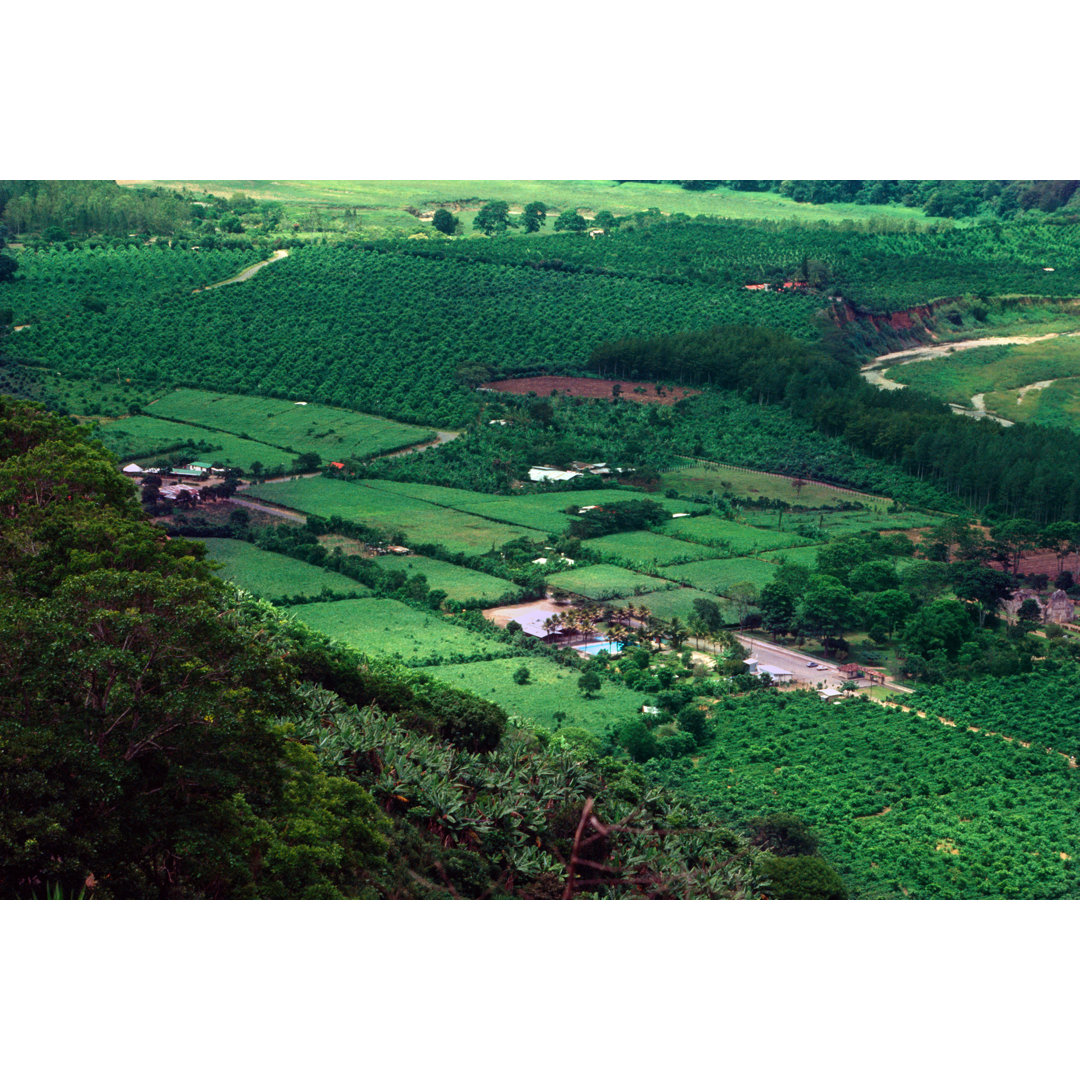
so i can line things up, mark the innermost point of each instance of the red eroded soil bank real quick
(543, 385)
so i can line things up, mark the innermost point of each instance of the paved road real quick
(795, 662)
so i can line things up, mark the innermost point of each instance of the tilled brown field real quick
(543, 385)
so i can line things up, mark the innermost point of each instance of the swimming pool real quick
(604, 645)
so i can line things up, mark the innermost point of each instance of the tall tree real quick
(533, 216)
(493, 217)
(445, 222)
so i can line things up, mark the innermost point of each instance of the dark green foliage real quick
(616, 517)
(801, 877)
(445, 222)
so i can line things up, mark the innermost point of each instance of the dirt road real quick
(245, 275)
(440, 438)
(292, 515)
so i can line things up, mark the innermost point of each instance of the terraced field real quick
(381, 627)
(603, 582)
(420, 522)
(458, 582)
(275, 577)
(648, 549)
(732, 537)
(544, 510)
(719, 575)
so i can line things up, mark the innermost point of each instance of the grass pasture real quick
(274, 576)
(730, 536)
(718, 575)
(704, 477)
(603, 582)
(647, 550)
(551, 688)
(381, 627)
(458, 582)
(143, 438)
(543, 510)
(420, 522)
(332, 433)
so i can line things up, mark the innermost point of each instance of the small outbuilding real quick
(133, 469)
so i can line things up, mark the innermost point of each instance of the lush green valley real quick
(442, 677)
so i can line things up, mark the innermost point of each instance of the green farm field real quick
(731, 536)
(647, 550)
(701, 479)
(535, 509)
(274, 576)
(551, 688)
(381, 627)
(458, 582)
(604, 582)
(298, 427)
(718, 575)
(421, 522)
(143, 438)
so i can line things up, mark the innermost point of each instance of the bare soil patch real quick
(543, 385)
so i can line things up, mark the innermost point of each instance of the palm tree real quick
(697, 628)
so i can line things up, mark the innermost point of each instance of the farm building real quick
(204, 466)
(132, 469)
(829, 693)
(851, 672)
(545, 474)
(777, 674)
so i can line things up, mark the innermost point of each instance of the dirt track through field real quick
(266, 508)
(245, 275)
